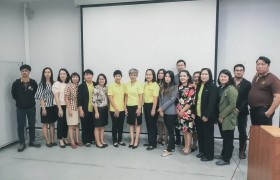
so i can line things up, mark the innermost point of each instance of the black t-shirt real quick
(24, 93)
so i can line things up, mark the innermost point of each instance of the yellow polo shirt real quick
(151, 90)
(90, 94)
(133, 92)
(117, 92)
(198, 104)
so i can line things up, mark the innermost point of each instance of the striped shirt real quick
(45, 94)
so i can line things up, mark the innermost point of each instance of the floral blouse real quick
(186, 95)
(72, 92)
(99, 97)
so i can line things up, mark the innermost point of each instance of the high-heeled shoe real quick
(130, 145)
(61, 146)
(134, 147)
(66, 143)
(100, 146)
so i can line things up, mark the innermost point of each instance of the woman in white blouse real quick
(100, 104)
(58, 90)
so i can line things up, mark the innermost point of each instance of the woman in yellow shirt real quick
(133, 107)
(151, 92)
(116, 92)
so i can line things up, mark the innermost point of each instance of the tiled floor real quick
(112, 163)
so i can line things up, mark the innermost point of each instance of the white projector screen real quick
(151, 35)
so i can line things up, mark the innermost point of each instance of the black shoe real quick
(62, 146)
(66, 143)
(218, 157)
(87, 144)
(193, 149)
(105, 145)
(122, 143)
(204, 159)
(146, 144)
(21, 147)
(33, 144)
(134, 147)
(130, 145)
(199, 155)
(222, 162)
(100, 146)
(54, 144)
(149, 148)
(178, 142)
(116, 145)
(49, 145)
(242, 155)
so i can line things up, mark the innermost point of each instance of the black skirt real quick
(131, 116)
(103, 117)
(50, 117)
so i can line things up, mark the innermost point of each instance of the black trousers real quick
(205, 132)
(117, 126)
(169, 121)
(62, 128)
(21, 120)
(258, 117)
(87, 128)
(228, 136)
(242, 126)
(151, 122)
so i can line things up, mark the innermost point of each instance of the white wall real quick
(11, 52)
(54, 33)
(249, 29)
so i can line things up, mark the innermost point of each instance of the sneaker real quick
(166, 153)
(21, 147)
(34, 144)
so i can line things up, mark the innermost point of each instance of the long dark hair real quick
(160, 81)
(43, 78)
(153, 73)
(190, 81)
(97, 80)
(167, 88)
(67, 74)
(230, 79)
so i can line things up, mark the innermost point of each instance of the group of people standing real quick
(170, 103)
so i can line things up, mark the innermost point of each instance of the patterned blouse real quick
(186, 95)
(45, 94)
(72, 92)
(99, 97)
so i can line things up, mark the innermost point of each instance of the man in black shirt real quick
(243, 86)
(23, 91)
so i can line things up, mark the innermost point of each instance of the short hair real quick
(25, 66)
(117, 72)
(75, 74)
(67, 74)
(230, 79)
(132, 71)
(265, 59)
(97, 80)
(88, 71)
(153, 73)
(196, 72)
(239, 65)
(188, 74)
(181, 60)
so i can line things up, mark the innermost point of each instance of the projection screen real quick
(148, 35)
